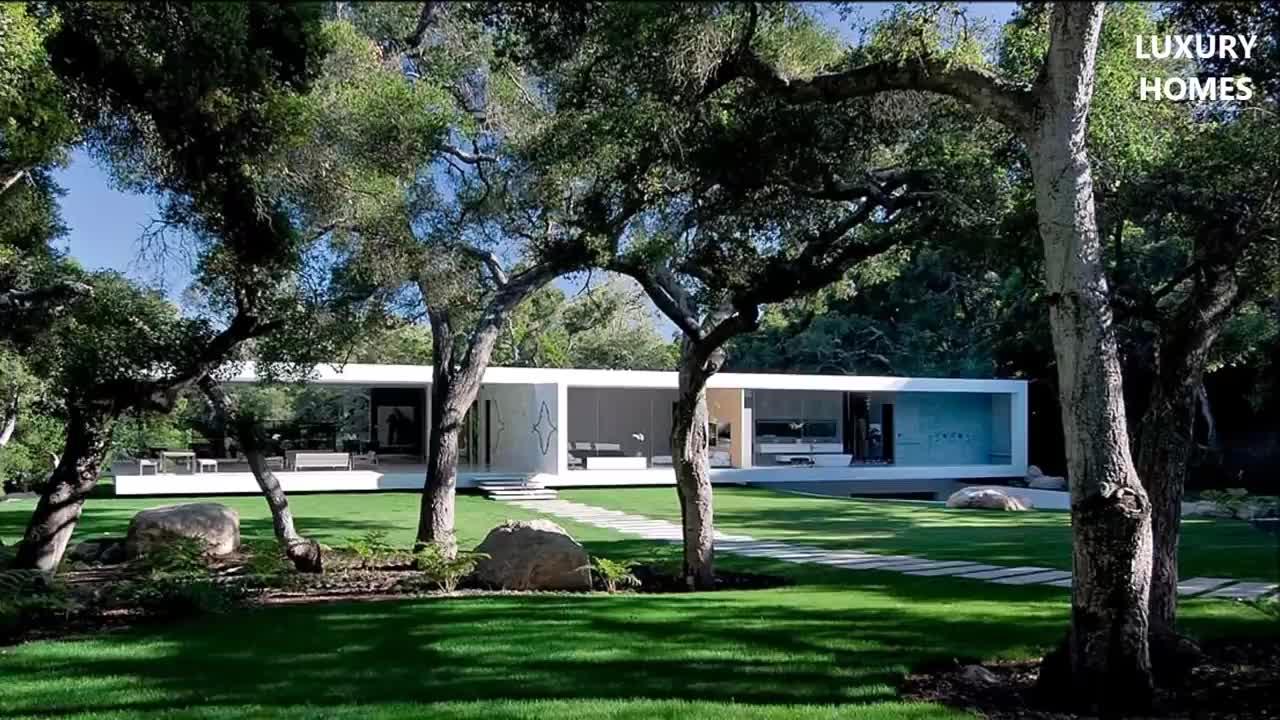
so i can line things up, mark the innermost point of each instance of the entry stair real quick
(515, 487)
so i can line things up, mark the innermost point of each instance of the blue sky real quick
(105, 224)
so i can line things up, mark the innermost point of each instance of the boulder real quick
(533, 555)
(1204, 508)
(988, 498)
(1047, 482)
(105, 551)
(218, 526)
(978, 675)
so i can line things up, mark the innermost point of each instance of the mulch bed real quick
(344, 580)
(658, 580)
(1237, 678)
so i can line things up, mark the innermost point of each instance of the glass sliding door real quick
(469, 448)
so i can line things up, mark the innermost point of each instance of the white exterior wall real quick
(544, 422)
(549, 418)
(511, 442)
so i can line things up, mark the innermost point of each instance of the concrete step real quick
(527, 495)
(509, 485)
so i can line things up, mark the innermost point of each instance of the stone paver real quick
(748, 546)
(1244, 591)
(876, 563)
(1039, 578)
(1195, 586)
(923, 565)
(1002, 573)
(956, 569)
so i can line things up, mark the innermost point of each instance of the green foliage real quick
(665, 559)
(266, 562)
(117, 334)
(179, 595)
(443, 572)
(29, 599)
(38, 433)
(177, 556)
(178, 583)
(912, 30)
(35, 125)
(1237, 502)
(610, 325)
(371, 548)
(614, 574)
(1267, 606)
(402, 344)
(137, 433)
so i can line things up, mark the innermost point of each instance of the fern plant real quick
(442, 571)
(614, 574)
(1267, 606)
(29, 598)
(372, 548)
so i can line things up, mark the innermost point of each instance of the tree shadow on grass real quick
(800, 646)
(1217, 548)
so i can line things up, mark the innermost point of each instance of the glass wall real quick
(813, 427)
(619, 428)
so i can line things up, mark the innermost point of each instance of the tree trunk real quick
(436, 516)
(62, 497)
(689, 444)
(454, 390)
(10, 179)
(1167, 433)
(1107, 652)
(1164, 443)
(10, 422)
(303, 552)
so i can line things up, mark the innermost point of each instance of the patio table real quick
(188, 455)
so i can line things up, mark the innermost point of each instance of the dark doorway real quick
(488, 433)
(395, 420)
(886, 431)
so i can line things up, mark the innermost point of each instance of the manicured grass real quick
(1209, 547)
(834, 645)
(332, 519)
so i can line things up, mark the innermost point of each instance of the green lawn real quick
(836, 644)
(1209, 547)
(329, 518)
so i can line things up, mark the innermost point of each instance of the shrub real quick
(267, 564)
(177, 555)
(666, 560)
(1268, 606)
(29, 598)
(614, 574)
(372, 548)
(444, 572)
(180, 595)
(177, 582)
(1240, 504)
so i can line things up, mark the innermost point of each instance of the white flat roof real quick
(420, 375)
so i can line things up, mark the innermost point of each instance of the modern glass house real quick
(570, 427)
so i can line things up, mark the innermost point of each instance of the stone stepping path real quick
(748, 546)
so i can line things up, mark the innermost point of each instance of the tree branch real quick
(425, 20)
(10, 421)
(47, 299)
(1009, 102)
(661, 287)
(11, 180)
(466, 157)
(490, 261)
